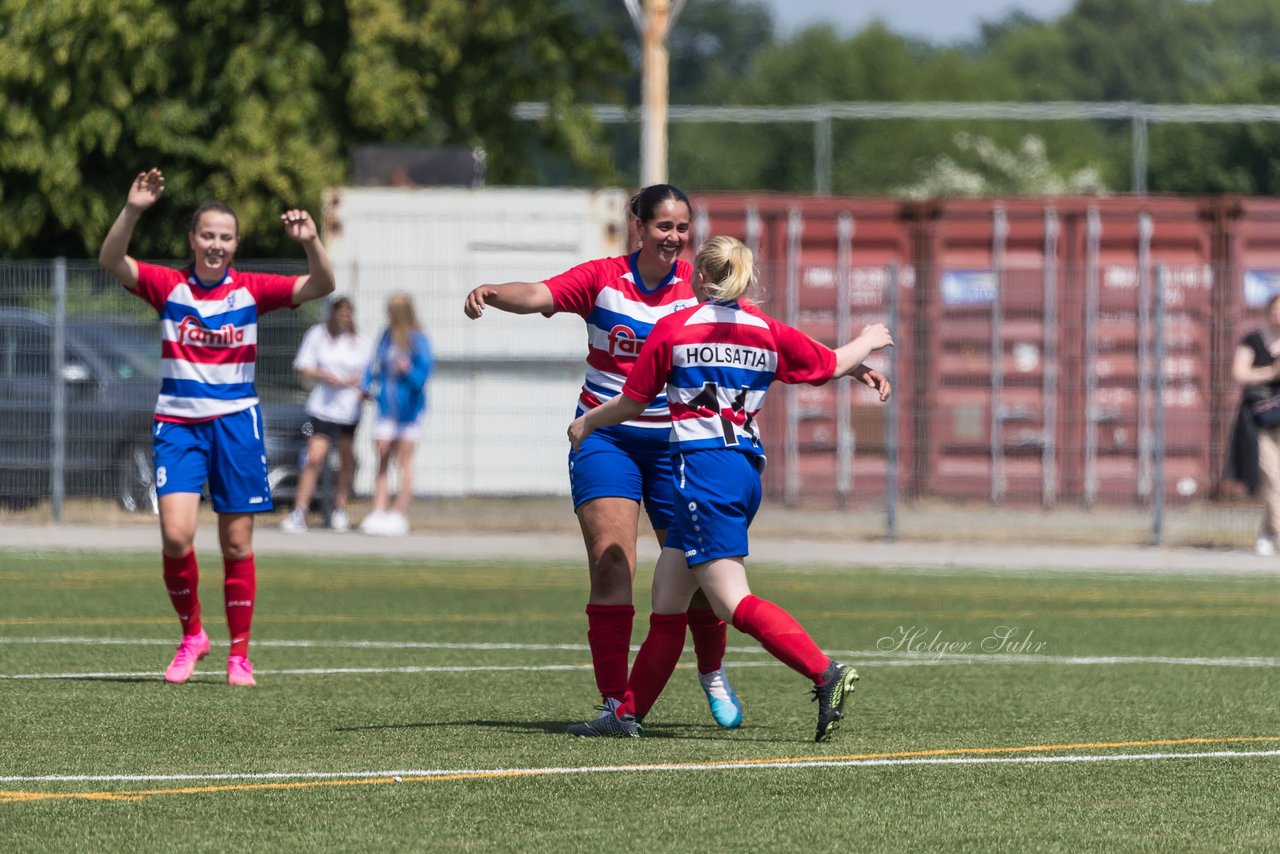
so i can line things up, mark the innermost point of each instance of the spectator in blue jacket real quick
(396, 378)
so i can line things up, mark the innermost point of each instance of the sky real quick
(934, 20)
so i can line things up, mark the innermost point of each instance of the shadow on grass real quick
(531, 726)
(148, 680)
(666, 731)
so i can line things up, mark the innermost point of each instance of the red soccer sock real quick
(710, 634)
(609, 636)
(655, 662)
(239, 588)
(781, 636)
(181, 579)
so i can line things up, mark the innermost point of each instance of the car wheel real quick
(137, 486)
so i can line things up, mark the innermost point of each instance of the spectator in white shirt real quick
(333, 357)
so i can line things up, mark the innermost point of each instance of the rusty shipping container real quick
(826, 267)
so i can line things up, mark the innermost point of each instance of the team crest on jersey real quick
(623, 341)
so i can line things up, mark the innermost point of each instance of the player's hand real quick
(875, 380)
(476, 300)
(299, 225)
(877, 335)
(146, 189)
(578, 431)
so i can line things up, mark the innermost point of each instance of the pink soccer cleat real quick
(240, 671)
(192, 649)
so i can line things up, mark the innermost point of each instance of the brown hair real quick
(215, 207)
(336, 303)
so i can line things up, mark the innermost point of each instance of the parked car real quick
(111, 373)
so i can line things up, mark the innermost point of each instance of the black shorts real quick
(332, 429)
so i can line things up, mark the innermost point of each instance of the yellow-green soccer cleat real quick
(830, 696)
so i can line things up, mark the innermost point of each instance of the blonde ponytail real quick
(727, 267)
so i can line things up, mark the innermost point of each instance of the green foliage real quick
(1155, 51)
(258, 103)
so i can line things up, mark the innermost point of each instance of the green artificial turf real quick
(476, 669)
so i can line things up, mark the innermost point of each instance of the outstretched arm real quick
(113, 256)
(850, 357)
(319, 279)
(515, 297)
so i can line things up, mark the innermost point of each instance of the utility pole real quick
(653, 24)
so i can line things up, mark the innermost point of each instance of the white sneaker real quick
(374, 523)
(1264, 547)
(395, 525)
(295, 522)
(339, 522)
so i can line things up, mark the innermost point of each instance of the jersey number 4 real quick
(709, 398)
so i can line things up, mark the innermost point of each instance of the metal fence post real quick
(58, 426)
(1139, 166)
(1049, 389)
(845, 438)
(1158, 443)
(1000, 229)
(791, 452)
(822, 156)
(1145, 230)
(1092, 415)
(891, 416)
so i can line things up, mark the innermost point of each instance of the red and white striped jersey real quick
(209, 338)
(620, 313)
(716, 361)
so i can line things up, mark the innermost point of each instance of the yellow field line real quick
(21, 797)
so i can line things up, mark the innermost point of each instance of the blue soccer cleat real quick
(726, 708)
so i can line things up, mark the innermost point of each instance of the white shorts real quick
(388, 429)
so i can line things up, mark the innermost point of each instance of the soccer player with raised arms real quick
(714, 362)
(208, 426)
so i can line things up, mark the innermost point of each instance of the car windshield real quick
(130, 351)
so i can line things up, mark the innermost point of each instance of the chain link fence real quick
(79, 376)
(1090, 392)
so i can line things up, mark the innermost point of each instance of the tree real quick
(262, 105)
(999, 171)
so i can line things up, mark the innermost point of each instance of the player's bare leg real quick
(725, 583)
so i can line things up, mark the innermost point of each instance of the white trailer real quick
(505, 386)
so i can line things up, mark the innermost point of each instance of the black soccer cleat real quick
(830, 696)
(609, 724)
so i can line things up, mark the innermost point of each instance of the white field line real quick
(878, 657)
(318, 671)
(615, 769)
(305, 644)
(536, 668)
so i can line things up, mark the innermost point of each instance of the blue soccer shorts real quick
(717, 496)
(625, 462)
(229, 452)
